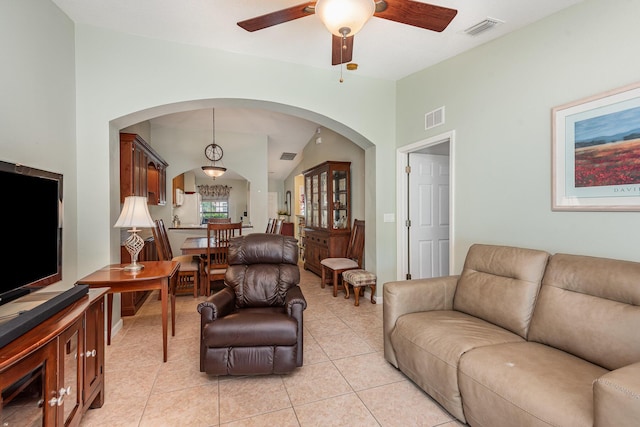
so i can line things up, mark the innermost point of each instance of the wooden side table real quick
(154, 275)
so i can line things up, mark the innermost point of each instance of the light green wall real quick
(124, 79)
(37, 104)
(498, 99)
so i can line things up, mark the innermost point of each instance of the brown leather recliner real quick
(254, 325)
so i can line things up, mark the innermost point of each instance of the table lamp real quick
(134, 214)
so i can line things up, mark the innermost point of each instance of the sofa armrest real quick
(616, 397)
(217, 305)
(411, 296)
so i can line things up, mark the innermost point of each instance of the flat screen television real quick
(32, 209)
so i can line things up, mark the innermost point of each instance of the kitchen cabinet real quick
(177, 185)
(142, 170)
(54, 373)
(327, 212)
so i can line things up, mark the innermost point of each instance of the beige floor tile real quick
(345, 410)
(130, 380)
(325, 327)
(368, 370)
(344, 344)
(315, 382)
(174, 376)
(312, 352)
(282, 418)
(249, 396)
(403, 404)
(143, 355)
(195, 406)
(116, 413)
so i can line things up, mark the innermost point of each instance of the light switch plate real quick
(389, 217)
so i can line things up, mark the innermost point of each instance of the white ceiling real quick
(383, 49)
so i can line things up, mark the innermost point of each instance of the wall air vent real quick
(434, 118)
(483, 26)
(287, 156)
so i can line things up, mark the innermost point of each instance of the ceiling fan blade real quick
(423, 15)
(278, 17)
(337, 50)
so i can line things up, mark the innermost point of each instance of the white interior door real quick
(428, 215)
(272, 204)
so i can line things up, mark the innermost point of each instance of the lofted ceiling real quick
(382, 49)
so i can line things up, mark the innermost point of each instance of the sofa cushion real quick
(589, 307)
(500, 284)
(428, 346)
(518, 384)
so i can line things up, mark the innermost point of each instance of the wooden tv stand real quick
(53, 373)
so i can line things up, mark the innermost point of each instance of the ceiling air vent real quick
(287, 156)
(434, 118)
(482, 26)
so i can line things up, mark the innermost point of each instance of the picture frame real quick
(596, 152)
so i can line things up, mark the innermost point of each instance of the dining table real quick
(198, 246)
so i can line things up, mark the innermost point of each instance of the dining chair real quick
(187, 278)
(278, 226)
(270, 224)
(219, 220)
(352, 259)
(218, 236)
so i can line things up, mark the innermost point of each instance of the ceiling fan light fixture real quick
(344, 17)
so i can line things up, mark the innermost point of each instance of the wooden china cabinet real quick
(143, 172)
(327, 212)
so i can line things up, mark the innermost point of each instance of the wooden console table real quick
(154, 275)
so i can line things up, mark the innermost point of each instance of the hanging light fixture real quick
(344, 17)
(214, 153)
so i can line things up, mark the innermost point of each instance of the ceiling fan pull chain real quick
(344, 46)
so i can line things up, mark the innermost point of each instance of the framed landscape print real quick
(596, 152)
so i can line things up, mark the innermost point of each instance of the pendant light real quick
(214, 153)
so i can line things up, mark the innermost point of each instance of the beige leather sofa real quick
(522, 338)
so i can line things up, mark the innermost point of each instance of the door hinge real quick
(407, 169)
(407, 223)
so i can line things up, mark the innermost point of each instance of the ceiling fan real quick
(417, 14)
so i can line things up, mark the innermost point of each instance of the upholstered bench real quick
(359, 278)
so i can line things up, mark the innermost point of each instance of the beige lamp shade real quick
(344, 17)
(134, 213)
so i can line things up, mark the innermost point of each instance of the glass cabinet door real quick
(69, 369)
(29, 390)
(315, 214)
(308, 199)
(324, 204)
(340, 200)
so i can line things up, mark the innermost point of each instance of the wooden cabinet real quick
(327, 212)
(130, 302)
(142, 170)
(177, 184)
(52, 374)
(287, 229)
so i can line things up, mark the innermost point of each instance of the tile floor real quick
(345, 380)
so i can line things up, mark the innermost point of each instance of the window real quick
(214, 209)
